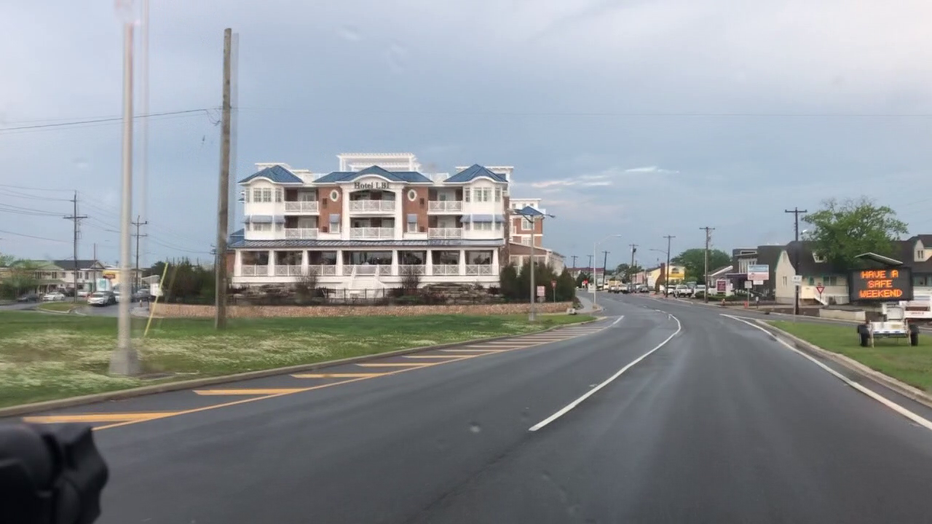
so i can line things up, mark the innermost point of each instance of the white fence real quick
(372, 206)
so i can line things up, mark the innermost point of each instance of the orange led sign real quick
(881, 285)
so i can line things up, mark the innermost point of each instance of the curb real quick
(23, 409)
(850, 364)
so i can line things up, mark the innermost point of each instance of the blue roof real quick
(236, 236)
(277, 174)
(529, 211)
(473, 172)
(366, 244)
(395, 176)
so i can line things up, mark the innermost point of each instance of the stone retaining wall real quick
(193, 311)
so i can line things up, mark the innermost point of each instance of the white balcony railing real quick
(446, 269)
(301, 207)
(445, 232)
(254, 270)
(301, 232)
(372, 206)
(372, 233)
(323, 271)
(366, 270)
(445, 206)
(288, 271)
(418, 269)
(479, 269)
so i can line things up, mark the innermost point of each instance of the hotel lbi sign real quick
(883, 285)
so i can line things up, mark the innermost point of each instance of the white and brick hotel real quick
(369, 223)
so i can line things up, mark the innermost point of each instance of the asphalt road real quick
(719, 423)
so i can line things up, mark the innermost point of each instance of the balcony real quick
(288, 271)
(408, 269)
(261, 270)
(301, 207)
(372, 206)
(372, 233)
(446, 269)
(301, 233)
(479, 270)
(366, 270)
(445, 232)
(445, 206)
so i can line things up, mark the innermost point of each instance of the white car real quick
(53, 296)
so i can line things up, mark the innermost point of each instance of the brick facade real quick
(328, 206)
(417, 207)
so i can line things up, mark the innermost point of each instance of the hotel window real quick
(257, 195)
(267, 195)
(498, 194)
(466, 195)
(278, 195)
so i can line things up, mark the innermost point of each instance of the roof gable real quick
(275, 174)
(473, 172)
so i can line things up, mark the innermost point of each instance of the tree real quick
(306, 286)
(566, 287)
(411, 279)
(582, 277)
(841, 231)
(20, 279)
(6, 260)
(694, 262)
(627, 271)
(508, 281)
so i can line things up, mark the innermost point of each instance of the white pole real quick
(124, 360)
(532, 316)
(595, 281)
(144, 132)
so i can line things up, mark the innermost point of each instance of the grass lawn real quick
(56, 306)
(44, 357)
(897, 359)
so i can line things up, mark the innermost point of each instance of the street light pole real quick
(533, 216)
(666, 277)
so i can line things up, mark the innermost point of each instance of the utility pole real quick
(591, 269)
(604, 267)
(220, 267)
(574, 261)
(634, 249)
(95, 269)
(796, 212)
(666, 277)
(125, 360)
(708, 237)
(137, 223)
(76, 219)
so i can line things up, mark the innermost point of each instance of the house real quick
(742, 258)
(916, 253)
(524, 232)
(675, 275)
(797, 258)
(86, 272)
(372, 222)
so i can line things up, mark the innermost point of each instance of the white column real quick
(462, 262)
(429, 263)
(400, 218)
(238, 263)
(395, 262)
(495, 263)
(304, 261)
(339, 263)
(271, 268)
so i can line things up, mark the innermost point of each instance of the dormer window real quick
(920, 255)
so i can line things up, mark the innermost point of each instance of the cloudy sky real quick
(637, 117)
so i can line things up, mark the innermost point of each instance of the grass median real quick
(62, 307)
(45, 358)
(894, 358)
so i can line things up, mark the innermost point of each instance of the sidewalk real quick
(587, 308)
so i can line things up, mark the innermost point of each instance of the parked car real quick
(53, 296)
(101, 298)
(28, 297)
(699, 291)
(643, 289)
(681, 290)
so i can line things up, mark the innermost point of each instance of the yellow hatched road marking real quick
(97, 417)
(271, 391)
(336, 375)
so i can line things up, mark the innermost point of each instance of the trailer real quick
(894, 325)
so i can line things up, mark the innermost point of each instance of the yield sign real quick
(820, 288)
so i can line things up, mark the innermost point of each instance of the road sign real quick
(721, 285)
(541, 291)
(585, 282)
(758, 282)
(553, 283)
(748, 284)
(758, 272)
(820, 288)
(797, 279)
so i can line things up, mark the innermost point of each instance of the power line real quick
(31, 236)
(102, 120)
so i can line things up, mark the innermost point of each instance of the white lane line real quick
(594, 390)
(879, 398)
(617, 321)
